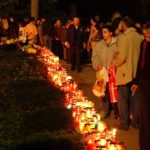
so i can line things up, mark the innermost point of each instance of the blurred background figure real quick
(47, 33)
(31, 31)
(13, 29)
(65, 39)
(75, 35)
(39, 30)
(57, 43)
(143, 80)
(4, 29)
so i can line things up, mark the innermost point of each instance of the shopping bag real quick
(100, 84)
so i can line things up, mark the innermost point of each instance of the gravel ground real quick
(86, 79)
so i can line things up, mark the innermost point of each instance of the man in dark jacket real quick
(75, 34)
(143, 79)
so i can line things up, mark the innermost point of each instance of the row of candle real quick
(87, 121)
(12, 41)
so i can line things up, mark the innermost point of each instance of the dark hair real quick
(128, 21)
(108, 27)
(116, 22)
(94, 19)
(32, 19)
(97, 26)
(47, 28)
(146, 27)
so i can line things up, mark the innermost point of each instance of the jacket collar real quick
(113, 41)
(131, 29)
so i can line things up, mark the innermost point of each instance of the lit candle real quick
(101, 126)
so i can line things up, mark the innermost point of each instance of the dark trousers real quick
(47, 41)
(58, 48)
(75, 58)
(128, 103)
(105, 104)
(144, 121)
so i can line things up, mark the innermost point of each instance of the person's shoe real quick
(118, 126)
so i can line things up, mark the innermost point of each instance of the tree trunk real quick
(35, 8)
(73, 10)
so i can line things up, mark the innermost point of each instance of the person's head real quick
(58, 23)
(11, 19)
(107, 32)
(76, 21)
(69, 22)
(43, 19)
(146, 31)
(117, 25)
(138, 25)
(126, 22)
(38, 21)
(93, 21)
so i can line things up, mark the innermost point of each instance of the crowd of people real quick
(120, 44)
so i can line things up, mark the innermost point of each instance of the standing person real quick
(126, 64)
(94, 29)
(143, 81)
(117, 28)
(13, 29)
(5, 27)
(92, 33)
(65, 42)
(39, 30)
(75, 34)
(58, 46)
(96, 36)
(31, 31)
(102, 56)
(47, 34)
(22, 31)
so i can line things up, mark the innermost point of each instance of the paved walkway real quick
(86, 80)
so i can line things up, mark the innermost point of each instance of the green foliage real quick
(30, 95)
(50, 118)
(32, 113)
(56, 141)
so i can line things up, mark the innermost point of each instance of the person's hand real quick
(67, 45)
(112, 66)
(134, 88)
(88, 47)
(99, 67)
(84, 45)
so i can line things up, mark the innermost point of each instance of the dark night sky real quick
(104, 8)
